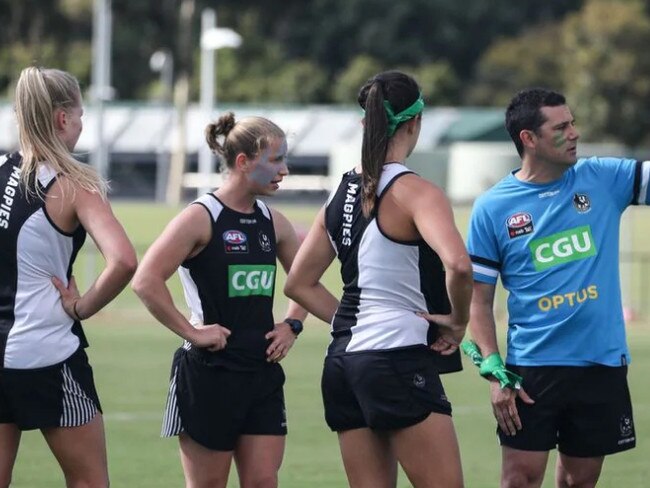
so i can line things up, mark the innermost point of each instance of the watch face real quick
(295, 324)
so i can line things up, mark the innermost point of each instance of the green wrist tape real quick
(472, 351)
(491, 364)
(507, 379)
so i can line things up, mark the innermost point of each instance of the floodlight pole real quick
(181, 98)
(101, 79)
(212, 38)
(162, 61)
(100, 91)
(206, 159)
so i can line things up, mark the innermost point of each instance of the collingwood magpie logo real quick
(625, 425)
(419, 381)
(265, 242)
(581, 202)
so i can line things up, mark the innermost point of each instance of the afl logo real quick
(519, 224)
(519, 220)
(234, 237)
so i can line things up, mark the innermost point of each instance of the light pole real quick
(101, 78)
(212, 38)
(100, 92)
(162, 62)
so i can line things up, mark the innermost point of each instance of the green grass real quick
(131, 355)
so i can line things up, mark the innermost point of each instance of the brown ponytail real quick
(374, 147)
(400, 91)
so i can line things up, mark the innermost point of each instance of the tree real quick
(41, 33)
(607, 70)
(348, 82)
(510, 64)
(439, 83)
(299, 81)
(448, 36)
(334, 32)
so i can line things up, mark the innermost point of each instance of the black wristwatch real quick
(295, 324)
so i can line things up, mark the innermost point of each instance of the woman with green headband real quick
(406, 292)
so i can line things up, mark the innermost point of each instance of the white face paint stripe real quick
(493, 273)
(645, 177)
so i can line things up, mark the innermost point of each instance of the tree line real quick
(469, 52)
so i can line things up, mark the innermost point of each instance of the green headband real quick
(406, 114)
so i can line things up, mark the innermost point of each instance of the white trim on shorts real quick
(78, 408)
(172, 425)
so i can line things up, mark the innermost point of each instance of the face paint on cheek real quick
(264, 170)
(558, 140)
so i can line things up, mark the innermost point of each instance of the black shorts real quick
(214, 405)
(382, 390)
(61, 395)
(584, 411)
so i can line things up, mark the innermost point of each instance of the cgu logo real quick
(251, 279)
(563, 247)
(234, 237)
(519, 220)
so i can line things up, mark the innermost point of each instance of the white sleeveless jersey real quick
(35, 330)
(385, 282)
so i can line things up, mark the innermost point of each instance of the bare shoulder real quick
(191, 227)
(278, 216)
(194, 216)
(66, 193)
(416, 190)
(281, 224)
(70, 191)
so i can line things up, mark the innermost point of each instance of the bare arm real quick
(184, 237)
(313, 259)
(96, 216)
(282, 337)
(287, 246)
(483, 329)
(434, 220)
(482, 325)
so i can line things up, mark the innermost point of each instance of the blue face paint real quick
(269, 163)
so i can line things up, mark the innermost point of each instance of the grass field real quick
(131, 354)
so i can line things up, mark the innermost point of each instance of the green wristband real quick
(507, 379)
(493, 366)
(472, 351)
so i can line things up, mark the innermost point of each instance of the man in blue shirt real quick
(551, 230)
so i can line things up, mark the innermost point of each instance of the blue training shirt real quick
(556, 247)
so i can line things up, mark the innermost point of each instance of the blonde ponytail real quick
(39, 93)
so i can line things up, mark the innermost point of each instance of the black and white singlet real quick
(385, 282)
(232, 282)
(35, 330)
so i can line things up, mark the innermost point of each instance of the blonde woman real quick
(49, 201)
(226, 395)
